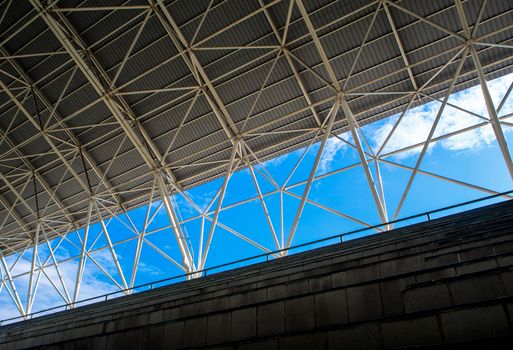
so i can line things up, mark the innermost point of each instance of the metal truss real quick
(86, 220)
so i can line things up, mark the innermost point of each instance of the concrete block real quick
(310, 341)
(475, 288)
(401, 265)
(237, 300)
(504, 260)
(476, 267)
(270, 344)
(297, 288)
(319, 284)
(436, 275)
(78, 344)
(218, 328)
(156, 317)
(270, 280)
(186, 310)
(364, 302)
(475, 323)
(361, 337)
(509, 308)
(195, 332)
(173, 335)
(48, 338)
(271, 319)
(426, 297)
(507, 282)
(218, 304)
(503, 247)
(355, 275)
(331, 308)
(152, 337)
(276, 292)
(443, 260)
(98, 343)
(256, 296)
(392, 297)
(244, 323)
(202, 307)
(171, 314)
(411, 333)
(476, 253)
(133, 339)
(116, 341)
(299, 313)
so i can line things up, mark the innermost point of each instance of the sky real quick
(472, 157)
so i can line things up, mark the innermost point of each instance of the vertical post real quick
(30, 294)
(329, 125)
(56, 265)
(140, 239)
(111, 247)
(213, 225)
(15, 296)
(356, 139)
(261, 199)
(187, 260)
(81, 263)
(492, 113)
(431, 133)
(282, 223)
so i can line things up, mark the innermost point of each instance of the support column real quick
(222, 192)
(15, 296)
(356, 138)
(492, 113)
(111, 247)
(30, 294)
(330, 120)
(187, 260)
(81, 263)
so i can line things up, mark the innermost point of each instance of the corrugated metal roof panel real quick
(236, 75)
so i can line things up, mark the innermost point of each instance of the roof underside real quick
(175, 101)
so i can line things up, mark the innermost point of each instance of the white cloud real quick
(331, 150)
(416, 124)
(413, 129)
(93, 283)
(275, 162)
(202, 200)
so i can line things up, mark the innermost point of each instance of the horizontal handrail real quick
(204, 272)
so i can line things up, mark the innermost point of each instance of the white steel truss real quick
(40, 221)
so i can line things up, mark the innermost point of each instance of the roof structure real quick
(97, 100)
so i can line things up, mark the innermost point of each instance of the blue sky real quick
(472, 157)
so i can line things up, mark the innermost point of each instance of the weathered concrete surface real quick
(445, 283)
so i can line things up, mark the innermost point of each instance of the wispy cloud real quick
(93, 284)
(333, 148)
(415, 126)
(275, 162)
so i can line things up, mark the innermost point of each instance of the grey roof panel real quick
(83, 119)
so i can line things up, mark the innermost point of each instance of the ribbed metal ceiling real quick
(237, 45)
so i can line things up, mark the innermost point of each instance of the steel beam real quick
(118, 108)
(187, 259)
(330, 119)
(492, 112)
(353, 127)
(83, 251)
(222, 192)
(31, 292)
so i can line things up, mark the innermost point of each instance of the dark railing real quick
(148, 286)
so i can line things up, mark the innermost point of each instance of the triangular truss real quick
(110, 123)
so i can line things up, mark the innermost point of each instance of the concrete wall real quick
(446, 282)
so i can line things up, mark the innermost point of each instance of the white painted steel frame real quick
(104, 201)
